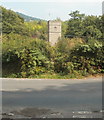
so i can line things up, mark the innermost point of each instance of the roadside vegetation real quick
(26, 52)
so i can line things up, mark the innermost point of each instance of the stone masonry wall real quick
(54, 31)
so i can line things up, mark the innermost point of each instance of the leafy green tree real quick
(87, 27)
(92, 27)
(75, 24)
(12, 23)
(76, 15)
(91, 32)
(102, 25)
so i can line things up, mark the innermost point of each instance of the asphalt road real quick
(68, 98)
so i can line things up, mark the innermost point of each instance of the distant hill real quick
(28, 18)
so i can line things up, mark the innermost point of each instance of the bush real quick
(32, 62)
(34, 59)
(88, 57)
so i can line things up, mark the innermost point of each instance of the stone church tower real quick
(54, 31)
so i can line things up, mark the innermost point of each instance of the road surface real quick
(71, 98)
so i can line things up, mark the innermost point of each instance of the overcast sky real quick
(46, 9)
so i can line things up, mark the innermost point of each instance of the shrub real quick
(88, 57)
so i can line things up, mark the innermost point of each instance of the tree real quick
(87, 27)
(12, 23)
(75, 24)
(91, 32)
(76, 15)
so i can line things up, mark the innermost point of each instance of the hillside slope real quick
(28, 18)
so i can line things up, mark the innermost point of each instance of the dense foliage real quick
(26, 52)
(87, 27)
(32, 55)
(12, 23)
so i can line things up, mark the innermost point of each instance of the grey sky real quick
(52, 10)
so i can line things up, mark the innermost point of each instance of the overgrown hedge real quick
(36, 57)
